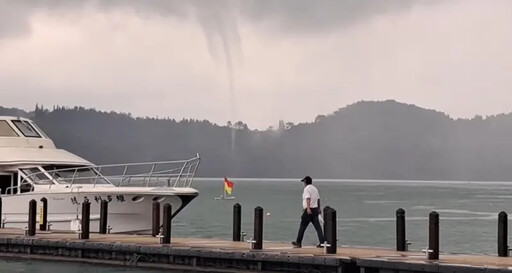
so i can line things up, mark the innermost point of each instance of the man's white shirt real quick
(311, 192)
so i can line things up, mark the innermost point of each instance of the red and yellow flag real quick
(228, 185)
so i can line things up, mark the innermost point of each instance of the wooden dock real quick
(212, 255)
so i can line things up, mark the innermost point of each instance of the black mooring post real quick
(327, 227)
(43, 214)
(167, 223)
(330, 221)
(325, 216)
(103, 216)
(32, 207)
(503, 234)
(1, 220)
(258, 228)
(156, 219)
(401, 243)
(237, 223)
(433, 236)
(86, 217)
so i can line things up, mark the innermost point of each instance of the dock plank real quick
(363, 256)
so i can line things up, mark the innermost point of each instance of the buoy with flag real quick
(228, 190)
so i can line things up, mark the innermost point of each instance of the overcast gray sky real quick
(256, 60)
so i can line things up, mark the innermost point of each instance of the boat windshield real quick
(65, 175)
(36, 176)
(26, 129)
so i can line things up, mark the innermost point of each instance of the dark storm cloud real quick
(287, 15)
(322, 15)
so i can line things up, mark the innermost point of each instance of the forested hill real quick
(366, 140)
(15, 112)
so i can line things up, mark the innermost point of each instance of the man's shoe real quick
(296, 245)
(319, 246)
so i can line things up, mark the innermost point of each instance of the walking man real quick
(311, 206)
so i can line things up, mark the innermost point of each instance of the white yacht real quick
(31, 167)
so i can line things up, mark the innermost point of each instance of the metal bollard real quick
(160, 235)
(258, 228)
(237, 222)
(330, 227)
(32, 207)
(43, 214)
(86, 217)
(502, 234)
(433, 236)
(325, 245)
(155, 219)
(167, 224)
(103, 216)
(401, 242)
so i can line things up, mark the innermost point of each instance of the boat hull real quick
(127, 212)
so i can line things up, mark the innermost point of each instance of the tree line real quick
(365, 140)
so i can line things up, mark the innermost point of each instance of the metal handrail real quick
(10, 190)
(175, 173)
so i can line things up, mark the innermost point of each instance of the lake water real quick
(365, 209)
(31, 266)
(366, 213)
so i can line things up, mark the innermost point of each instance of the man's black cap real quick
(307, 179)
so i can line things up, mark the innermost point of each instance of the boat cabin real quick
(29, 159)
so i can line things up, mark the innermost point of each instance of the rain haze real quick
(384, 104)
(257, 61)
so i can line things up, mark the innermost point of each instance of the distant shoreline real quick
(359, 180)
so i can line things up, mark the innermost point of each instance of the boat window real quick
(64, 175)
(26, 129)
(36, 176)
(6, 130)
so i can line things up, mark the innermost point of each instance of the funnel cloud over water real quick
(221, 31)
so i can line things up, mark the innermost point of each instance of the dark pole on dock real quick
(326, 226)
(503, 234)
(156, 219)
(330, 228)
(2, 221)
(433, 236)
(32, 207)
(258, 228)
(167, 223)
(401, 243)
(86, 217)
(237, 223)
(43, 214)
(103, 216)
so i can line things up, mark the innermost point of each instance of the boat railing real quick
(23, 185)
(177, 174)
